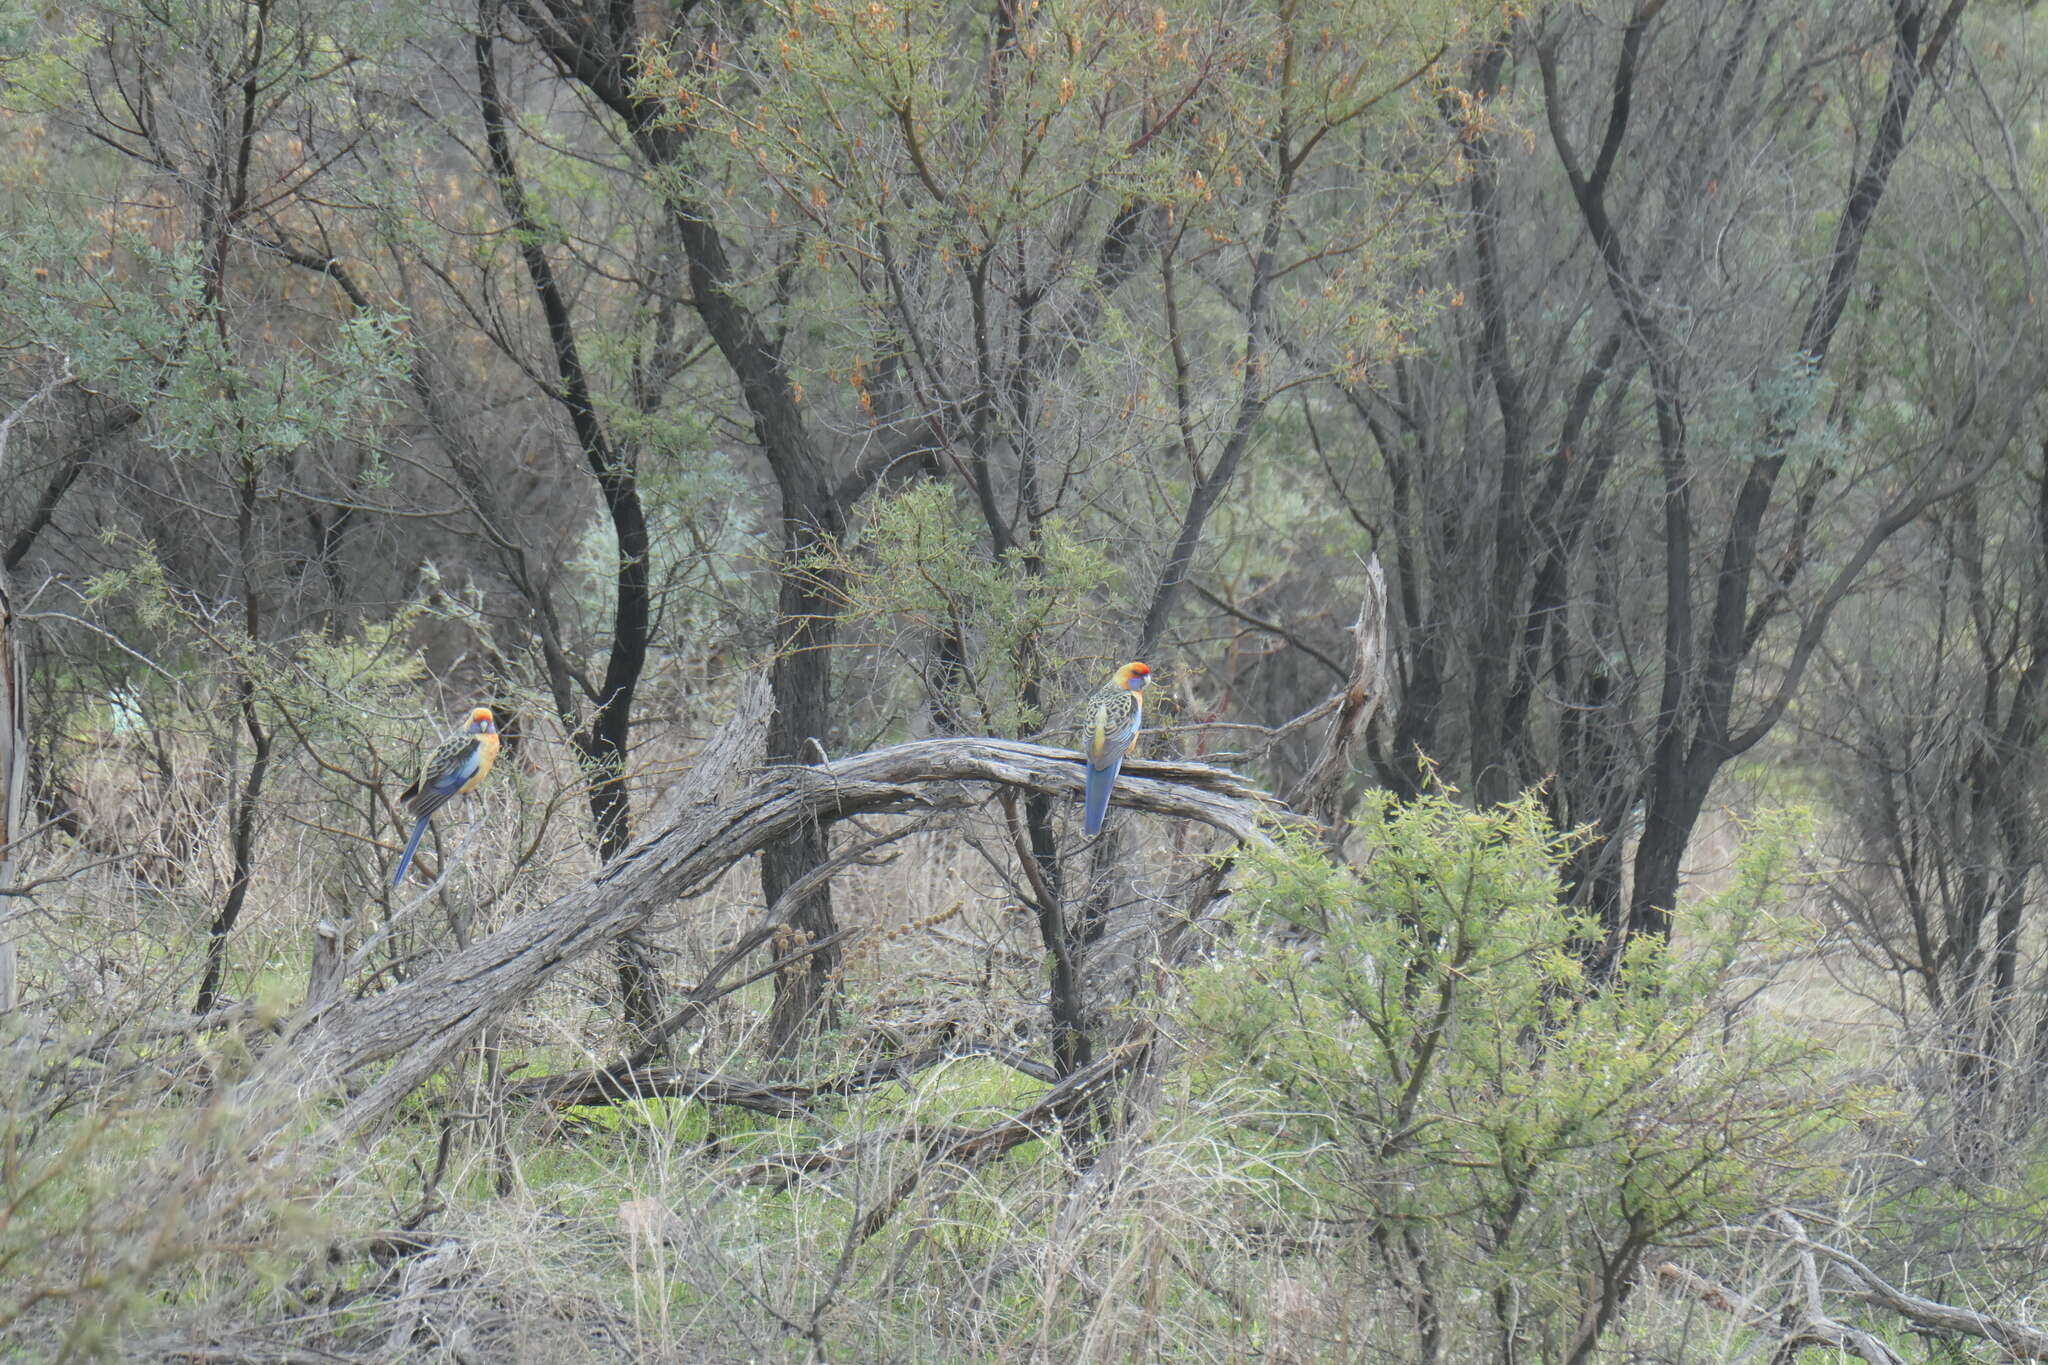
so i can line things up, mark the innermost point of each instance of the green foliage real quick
(699, 531)
(1439, 1072)
(942, 194)
(920, 562)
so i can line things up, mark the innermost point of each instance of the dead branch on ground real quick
(779, 1099)
(1942, 1319)
(1805, 1322)
(1793, 1330)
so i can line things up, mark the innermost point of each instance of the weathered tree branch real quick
(1792, 1331)
(426, 1021)
(1362, 697)
(2021, 1343)
(1804, 1322)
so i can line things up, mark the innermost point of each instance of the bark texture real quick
(431, 1017)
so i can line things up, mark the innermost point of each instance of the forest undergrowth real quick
(1386, 1116)
(1568, 478)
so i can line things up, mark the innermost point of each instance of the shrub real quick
(1495, 1139)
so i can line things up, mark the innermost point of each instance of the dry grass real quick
(480, 1230)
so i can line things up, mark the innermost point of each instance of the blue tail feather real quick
(411, 846)
(1095, 800)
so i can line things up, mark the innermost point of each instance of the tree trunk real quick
(602, 742)
(802, 684)
(600, 48)
(13, 781)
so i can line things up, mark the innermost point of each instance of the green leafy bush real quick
(1443, 1090)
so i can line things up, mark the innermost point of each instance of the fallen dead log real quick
(779, 1099)
(714, 817)
(946, 1144)
(1045, 1119)
(782, 1170)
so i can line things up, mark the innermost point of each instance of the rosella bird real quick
(453, 770)
(1109, 730)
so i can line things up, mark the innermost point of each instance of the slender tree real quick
(1644, 361)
